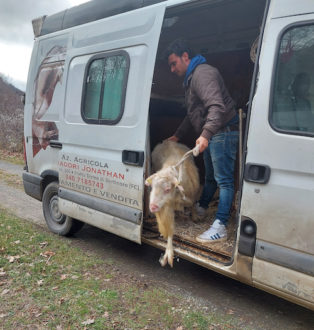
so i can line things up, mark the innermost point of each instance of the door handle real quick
(130, 157)
(257, 173)
(55, 144)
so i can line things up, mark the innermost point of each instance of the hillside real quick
(10, 97)
(11, 117)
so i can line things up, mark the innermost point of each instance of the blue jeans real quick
(219, 160)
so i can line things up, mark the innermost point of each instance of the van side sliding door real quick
(278, 189)
(103, 134)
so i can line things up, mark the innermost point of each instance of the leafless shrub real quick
(11, 117)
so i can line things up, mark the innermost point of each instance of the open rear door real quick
(103, 134)
(278, 185)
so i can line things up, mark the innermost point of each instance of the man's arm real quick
(184, 128)
(173, 138)
(208, 89)
(202, 142)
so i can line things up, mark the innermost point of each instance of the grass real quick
(12, 157)
(47, 282)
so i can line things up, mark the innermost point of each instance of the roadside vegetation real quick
(11, 116)
(47, 282)
(12, 157)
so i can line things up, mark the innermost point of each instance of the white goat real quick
(172, 189)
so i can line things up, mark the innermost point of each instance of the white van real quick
(100, 96)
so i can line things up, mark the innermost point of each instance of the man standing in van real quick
(211, 113)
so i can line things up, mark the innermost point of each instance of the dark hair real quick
(178, 47)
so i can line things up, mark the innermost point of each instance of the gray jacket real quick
(209, 104)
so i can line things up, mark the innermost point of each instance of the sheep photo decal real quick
(49, 74)
(173, 187)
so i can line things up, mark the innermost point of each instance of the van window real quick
(293, 94)
(105, 87)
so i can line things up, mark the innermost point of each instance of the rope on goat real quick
(195, 151)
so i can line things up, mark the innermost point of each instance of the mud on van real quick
(100, 96)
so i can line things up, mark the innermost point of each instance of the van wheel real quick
(57, 222)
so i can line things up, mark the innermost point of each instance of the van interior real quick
(226, 33)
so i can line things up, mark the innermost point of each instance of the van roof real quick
(89, 12)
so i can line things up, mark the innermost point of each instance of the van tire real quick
(57, 222)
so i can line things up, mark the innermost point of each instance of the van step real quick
(212, 252)
(184, 248)
(186, 231)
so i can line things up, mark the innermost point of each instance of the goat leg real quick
(168, 256)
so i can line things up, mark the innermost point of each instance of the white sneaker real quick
(200, 211)
(216, 233)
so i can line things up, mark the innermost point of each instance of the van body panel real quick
(282, 207)
(302, 262)
(90, 11)
(172, 3)
(282, 8)
(98, 204)
(284, 279)
(115, 225)
(44, 103)
(32, 185)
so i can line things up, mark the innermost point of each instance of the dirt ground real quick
(212, 291)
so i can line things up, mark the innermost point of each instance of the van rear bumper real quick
(33, 185)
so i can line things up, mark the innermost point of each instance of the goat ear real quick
(149, 180)
(181, 189)
(178, 185)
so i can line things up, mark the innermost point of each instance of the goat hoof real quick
(163, 260)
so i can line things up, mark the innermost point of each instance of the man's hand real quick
(203, 143)
(173, 138)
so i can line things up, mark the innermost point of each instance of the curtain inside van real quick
(114, 74)
(105, 87)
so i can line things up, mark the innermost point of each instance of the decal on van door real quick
(49, 74)
(107, 180)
